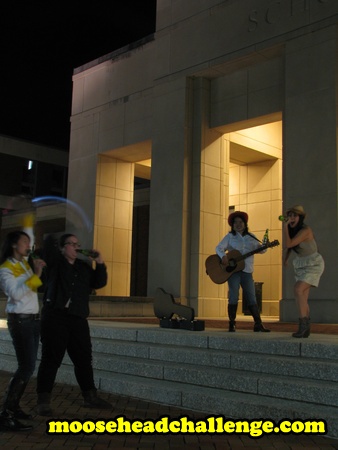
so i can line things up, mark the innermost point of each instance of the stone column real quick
(167, 197)
(187, 196)
(310, 159)
(209, 203)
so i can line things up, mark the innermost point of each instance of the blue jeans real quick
(244, 280)
(25, 333)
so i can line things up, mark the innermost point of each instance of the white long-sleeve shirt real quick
(244, 244)
(20, 285)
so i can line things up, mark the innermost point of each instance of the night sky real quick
(42, 43)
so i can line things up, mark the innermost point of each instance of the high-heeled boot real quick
(257, 318)
(232, 312)
(303, 328)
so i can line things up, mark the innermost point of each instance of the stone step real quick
(318, 346)
(319, 392)
(211, 401)
(215, 372)
(313, 368)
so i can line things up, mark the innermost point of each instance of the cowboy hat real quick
(297, 209)
(241, 214)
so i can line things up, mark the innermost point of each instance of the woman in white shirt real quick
(241, 240)
(20, 284)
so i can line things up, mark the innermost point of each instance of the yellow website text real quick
(184, 425)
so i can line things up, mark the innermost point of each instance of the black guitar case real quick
(165, 307)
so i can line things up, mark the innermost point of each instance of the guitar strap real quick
(254, 237)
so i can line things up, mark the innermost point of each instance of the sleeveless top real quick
(306, 248)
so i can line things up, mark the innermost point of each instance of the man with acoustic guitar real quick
(240, 241)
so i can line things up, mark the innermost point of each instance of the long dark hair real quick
(11, 239)
(298, 227)
(295, 230)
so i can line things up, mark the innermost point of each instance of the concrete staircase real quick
(242, 375)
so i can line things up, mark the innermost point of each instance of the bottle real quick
(87, 252)
(266, 236)
(31, 253)
(282, 218)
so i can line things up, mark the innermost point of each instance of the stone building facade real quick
(229, 105)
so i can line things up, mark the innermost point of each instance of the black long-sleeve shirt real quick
(69, 285)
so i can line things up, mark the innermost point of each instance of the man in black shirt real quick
(64, 325)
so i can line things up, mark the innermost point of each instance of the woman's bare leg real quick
(302, 291)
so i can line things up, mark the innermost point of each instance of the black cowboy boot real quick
(303, 328)
(10, 423)
(257, 318)
(13, 395)
(8, 420)
(232, 311)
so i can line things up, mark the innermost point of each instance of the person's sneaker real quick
(44, 409)
(43, 406)
(92, 400)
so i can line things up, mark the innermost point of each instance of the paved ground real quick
(67, 402)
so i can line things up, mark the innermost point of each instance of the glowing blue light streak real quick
(75, 206)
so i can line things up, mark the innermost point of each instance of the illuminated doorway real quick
(241, 166)
(118, 172)
(255, 186)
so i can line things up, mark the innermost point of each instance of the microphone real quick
(282, 218)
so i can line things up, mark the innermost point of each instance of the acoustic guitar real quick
(220, 273)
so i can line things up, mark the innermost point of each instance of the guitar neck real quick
(253, 252)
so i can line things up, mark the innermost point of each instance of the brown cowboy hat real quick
(241, 214)
(297, 209)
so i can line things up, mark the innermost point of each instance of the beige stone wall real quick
(113, 222)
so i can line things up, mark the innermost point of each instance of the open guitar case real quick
(165, 308)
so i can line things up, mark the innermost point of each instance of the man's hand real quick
(98, 258)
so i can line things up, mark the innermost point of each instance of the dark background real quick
(42, 42)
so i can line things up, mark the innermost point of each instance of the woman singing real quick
(308, 263)
(20, 283)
